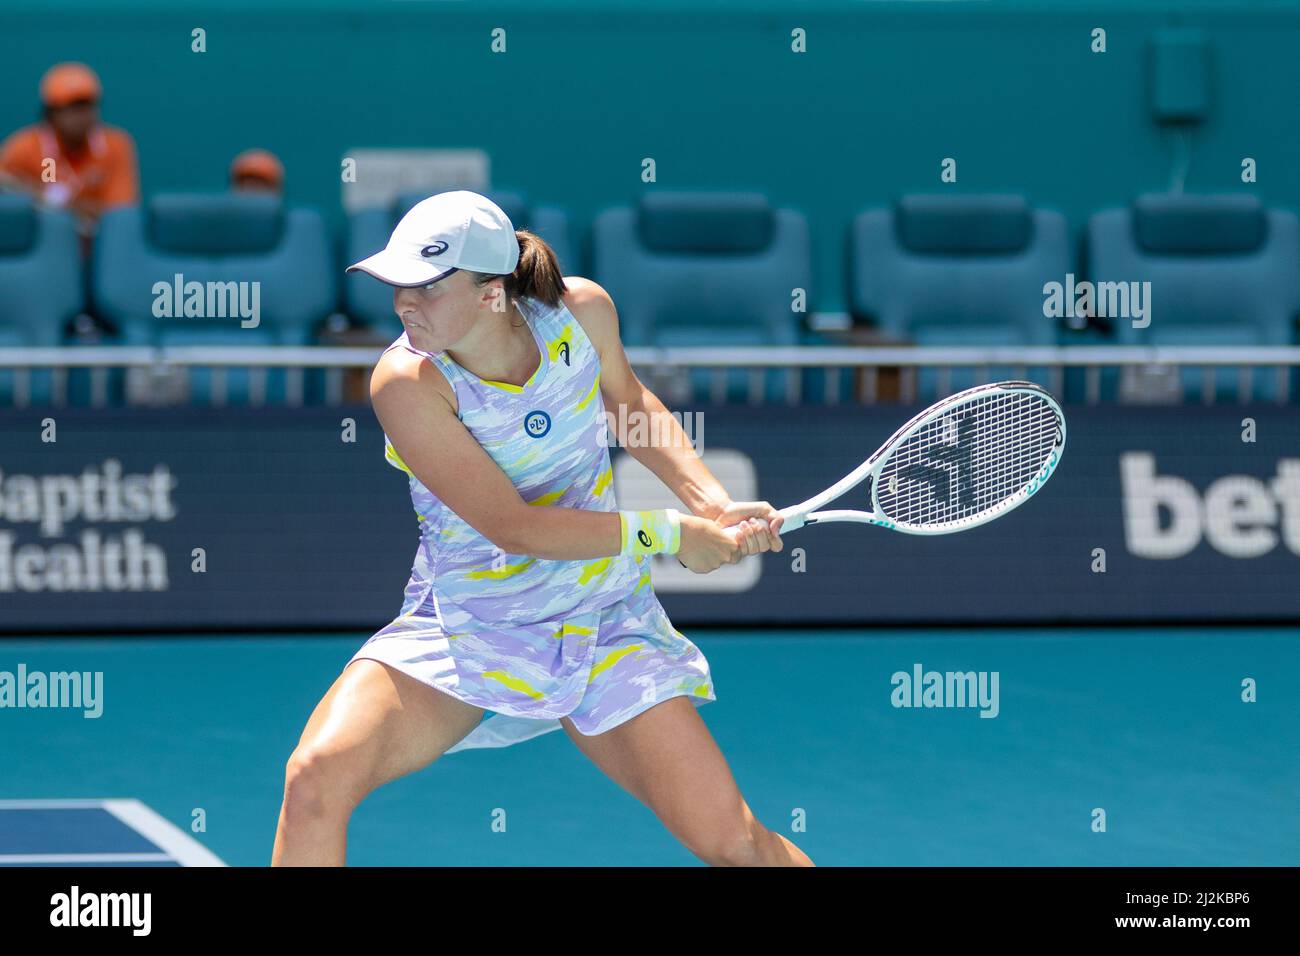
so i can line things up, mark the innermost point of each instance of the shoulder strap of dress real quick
(538, 318)
(526, 309)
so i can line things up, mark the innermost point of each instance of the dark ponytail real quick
(537, 276)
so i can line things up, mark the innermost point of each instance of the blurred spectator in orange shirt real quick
(72, 159)
(256, 170)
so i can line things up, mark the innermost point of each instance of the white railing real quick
(1147, 374)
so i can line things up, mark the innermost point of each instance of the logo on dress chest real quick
(536, 423)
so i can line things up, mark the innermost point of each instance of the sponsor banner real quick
(248, 519)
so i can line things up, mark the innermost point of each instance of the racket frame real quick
(806, 512)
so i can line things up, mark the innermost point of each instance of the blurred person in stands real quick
(257, 170)
(71, 159)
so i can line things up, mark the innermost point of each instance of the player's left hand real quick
(758, 526)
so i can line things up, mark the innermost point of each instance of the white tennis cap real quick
(452, 230)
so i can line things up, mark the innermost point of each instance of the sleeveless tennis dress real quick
(528, 639)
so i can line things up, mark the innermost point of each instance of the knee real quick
(317, 784)
(735, 845)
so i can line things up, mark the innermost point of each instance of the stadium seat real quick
(370, 302)
(1224, 270)
(40, 287)
(960, 270)
(215, 240)
(705, 269)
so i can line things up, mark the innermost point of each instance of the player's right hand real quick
(706, 545)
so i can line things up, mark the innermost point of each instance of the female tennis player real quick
(530, 599)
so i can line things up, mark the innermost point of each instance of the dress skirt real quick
(597, 667)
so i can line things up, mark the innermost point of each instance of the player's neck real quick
(506, 352)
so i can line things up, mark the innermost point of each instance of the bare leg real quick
(667, 759)
(375, 724)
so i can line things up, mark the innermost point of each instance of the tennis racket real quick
(962, 462)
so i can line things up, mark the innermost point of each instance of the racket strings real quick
(968, 459)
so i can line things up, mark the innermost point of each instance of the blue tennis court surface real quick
(93, 833)
(1148, 726)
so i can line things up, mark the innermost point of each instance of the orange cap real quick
(67, 83)
(259, 164)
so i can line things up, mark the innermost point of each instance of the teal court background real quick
(1148, 724)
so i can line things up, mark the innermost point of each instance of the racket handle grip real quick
(793, 522)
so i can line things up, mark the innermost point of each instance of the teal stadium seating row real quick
(40, 285)
(959, 270)
(279, 258)
(970, 270)
(686, 269)
(1227, 270)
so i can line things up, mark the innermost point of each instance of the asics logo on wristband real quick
(644, 539)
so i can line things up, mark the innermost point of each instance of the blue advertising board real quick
(234, 519)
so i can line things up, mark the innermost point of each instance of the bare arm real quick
(671, 457)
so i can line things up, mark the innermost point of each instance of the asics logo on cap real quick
(436, 249)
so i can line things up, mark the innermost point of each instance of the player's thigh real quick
(667, 758)
(376, 724)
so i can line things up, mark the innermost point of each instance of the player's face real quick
(439, 316)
